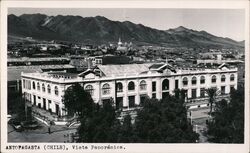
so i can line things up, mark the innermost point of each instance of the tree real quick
(77, 100)
(164, 121)
(126, 130)
(102, 126)
(211, 92)
(227, 124)
(18, 108)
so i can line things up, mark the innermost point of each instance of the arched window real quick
(56, 90)
(223, 78)
(34, 85)
(165, 84)
(143, 85)
(185, 81)
(119, 87)
(49, 89)
(202, 80)
(38, 86)
(213, 79)
(43, 87)
(194, 80)
(105, 89)
(89, 89)
(131, 85)
(232, 77)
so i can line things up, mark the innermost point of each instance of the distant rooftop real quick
(14, 72)
(25, 59)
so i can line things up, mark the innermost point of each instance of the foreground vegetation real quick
(163, 121)
(227, 124)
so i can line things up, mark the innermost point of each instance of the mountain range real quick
(102, 30)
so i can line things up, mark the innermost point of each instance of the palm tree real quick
(212, 93)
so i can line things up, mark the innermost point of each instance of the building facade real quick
(128, 85)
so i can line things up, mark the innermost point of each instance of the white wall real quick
(98, 82)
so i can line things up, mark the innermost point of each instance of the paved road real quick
(202, 113)
(58, 134)
(199, 118)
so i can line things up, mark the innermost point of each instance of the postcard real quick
(125, 76)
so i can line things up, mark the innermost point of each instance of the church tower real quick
(119, 42)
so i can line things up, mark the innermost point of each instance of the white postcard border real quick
(192, 148)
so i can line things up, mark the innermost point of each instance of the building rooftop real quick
(156, 66)
(126, 69)
(62, 73)
(14, 72)
(66, 66)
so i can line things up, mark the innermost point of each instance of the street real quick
(62, 133)
(199, 118)
(58, 134)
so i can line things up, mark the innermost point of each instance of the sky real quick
(220, 22)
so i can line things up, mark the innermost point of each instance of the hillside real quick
(102, 30)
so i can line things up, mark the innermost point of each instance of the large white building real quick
(128, 84)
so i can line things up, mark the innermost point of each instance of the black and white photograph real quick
(95, 79)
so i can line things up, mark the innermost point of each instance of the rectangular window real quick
(232, 77)
(154, 95)
(232, 88)
(105, 101)
(223, 90)
(214, 88)
(193, 93)
(185, 93)
(34, 99)
(119, 102)
(202, 92)
(142, 98)
(176, 84)
(44, 103)
(49, 103)
(165, 94)
(24, 83)
(153, 86)
(29, 85)
(131, 100)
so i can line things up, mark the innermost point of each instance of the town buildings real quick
(217, 58)
(129, 84)
(18, 65)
